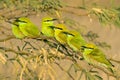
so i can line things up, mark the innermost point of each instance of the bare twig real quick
(64, 71)
(23, 70)
(8, 38)
(117, 61)
(16, 52)
(106, 72)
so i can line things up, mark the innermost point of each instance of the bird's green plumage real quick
(27, 27)
(75, 41)
(95, 56)
(59, 35)
(46, 29)
(16, 31)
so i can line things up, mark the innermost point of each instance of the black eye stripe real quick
(17, 20)
(87, 47)
(56, 27)
(50, 20)
(68, 33)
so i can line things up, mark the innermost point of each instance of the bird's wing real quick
(76, 42)
(62, 36)
(98, 55)
(32, 29)
(16, 31)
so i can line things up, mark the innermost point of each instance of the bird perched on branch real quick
(27, 27)
(93, 55)
(74, 40)
(47, 30)
(59, 35)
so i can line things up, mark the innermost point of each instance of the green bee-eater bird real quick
(75, 40)
(59, 35)
(16, 31)
(27, 27)
(46, 29)
(93, 55)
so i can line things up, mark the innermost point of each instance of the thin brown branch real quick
(14, 51)
(117, 61)
(106, 72)
(64, 70)
(8, 38)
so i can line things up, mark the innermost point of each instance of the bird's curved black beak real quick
(54, 19)
(12, 23)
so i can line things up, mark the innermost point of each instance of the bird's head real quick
(62, 26)
(88, 47)
(23, 20)
(48, 19)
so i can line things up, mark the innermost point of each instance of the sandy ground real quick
(109, 34)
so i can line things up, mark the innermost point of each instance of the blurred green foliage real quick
(50, 5)
(107, 16)
(35, 5)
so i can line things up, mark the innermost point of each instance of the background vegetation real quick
(39, 59)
